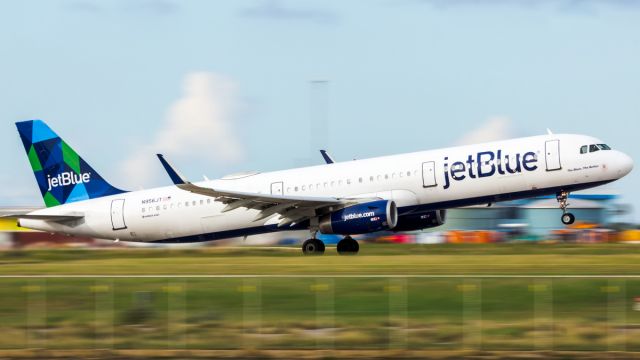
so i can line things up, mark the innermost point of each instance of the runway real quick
(314, 276)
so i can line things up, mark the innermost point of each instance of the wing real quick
(292, 209)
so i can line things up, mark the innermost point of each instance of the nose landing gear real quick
(348, 246)
(567, 217)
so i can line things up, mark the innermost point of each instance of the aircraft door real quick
(277, 188)
(429, 174)
(552, 155)
(117, 214)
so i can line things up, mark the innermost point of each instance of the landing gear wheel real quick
(348, 246)
(313, 247)
(568, 218)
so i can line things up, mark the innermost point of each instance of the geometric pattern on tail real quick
(62, 175)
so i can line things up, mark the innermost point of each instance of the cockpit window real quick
(593, 148)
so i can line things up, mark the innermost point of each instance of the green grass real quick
(516, 259)
(350, 312)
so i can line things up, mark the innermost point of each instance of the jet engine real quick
(421, 221)
(362, 218)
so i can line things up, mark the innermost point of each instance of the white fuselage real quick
(421, 181)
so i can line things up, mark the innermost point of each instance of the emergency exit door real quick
(277, 188)
(117, 214)
(552, 155)
(429, 174)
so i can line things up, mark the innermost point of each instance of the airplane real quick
(397, 193)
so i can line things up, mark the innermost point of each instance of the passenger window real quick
(360, 180)
(208, 201)
(371, 178)
(584, 149)
(593, 148)
(201, 202)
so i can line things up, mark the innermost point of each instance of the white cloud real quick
(198, 125)
(493, 129)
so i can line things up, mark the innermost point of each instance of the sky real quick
(229, 86)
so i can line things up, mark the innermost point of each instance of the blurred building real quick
(535, 217)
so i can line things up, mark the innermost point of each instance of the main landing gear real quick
(348, 246)
(567, 217)
(314, 246)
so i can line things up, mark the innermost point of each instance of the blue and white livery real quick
(393, 193)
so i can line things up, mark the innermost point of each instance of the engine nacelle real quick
(427, 220)
(364, 218)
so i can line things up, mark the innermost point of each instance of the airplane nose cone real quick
(626, 164)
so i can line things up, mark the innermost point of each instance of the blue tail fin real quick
(62, 175)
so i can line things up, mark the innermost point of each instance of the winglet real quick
(175, 176)
(327, 158)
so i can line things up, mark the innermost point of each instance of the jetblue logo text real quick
(486, 164)
(67, 178)
(348, 217)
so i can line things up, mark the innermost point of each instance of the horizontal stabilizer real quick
(54, 218)
(14, 212)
